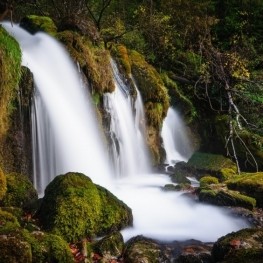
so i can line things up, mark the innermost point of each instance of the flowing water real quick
(66, 138)
(175, 140)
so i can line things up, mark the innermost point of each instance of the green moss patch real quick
(74, 207)
(207, 180)
(20, 191)
(250, 184)
(33, 24)
(10, 62)
(3, 187)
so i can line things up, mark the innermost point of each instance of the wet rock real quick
(244, 246)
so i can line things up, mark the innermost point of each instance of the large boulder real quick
(250, 184)
(244, 246)
(74, 208)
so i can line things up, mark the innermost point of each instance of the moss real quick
(151, 86)
(20, 191)
(3, 187)
(121, 55)
(94, 61)
(74, 207)
(8, 222)
(33, 24)
(222, 197)
(244, 246)
(250, 184)
(216, 165)
(207, 180)
(10, 62)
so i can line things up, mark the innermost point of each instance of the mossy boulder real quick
(219, 195)
(112, 244)
(140, 249)
(8, 222)
(20, 191)
(201, 164)
(34, 24)
(3, 187)
(179, 177)
(74, 208)
(244, 246)
(250, 184)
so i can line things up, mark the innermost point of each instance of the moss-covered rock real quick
(74, 207)
(250, 184)
(20, 191)
(34, 24)
(8, 222)
(200, 164)
(179, 177)
(3, 187)
(141, 249)
(207, 180)
(10, 63)
(218, 195)
(93, 60)
(151, 86)
(244, 246)
(112, 244)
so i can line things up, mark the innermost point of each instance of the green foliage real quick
(74, 207)
(3, 187)
(207, 180)
(10, 62)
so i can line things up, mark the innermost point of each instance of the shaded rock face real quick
(74, 207)
(15, 147)
(244, 246)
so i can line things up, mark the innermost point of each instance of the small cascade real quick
(126, 129)
(175, 140)
(66, 136)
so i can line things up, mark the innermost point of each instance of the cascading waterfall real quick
(64, 129)
(67, 139)
(127, 129)
(175, 140)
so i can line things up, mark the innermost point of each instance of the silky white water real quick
(175, 140)
(66, 138)
(65, 133)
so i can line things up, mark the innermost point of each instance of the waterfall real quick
(127, 128)
(66, 137)
(175, 140)
(65, 133)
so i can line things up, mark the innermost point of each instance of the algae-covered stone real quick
(33, 24)
(2, 184)
(207, 180)
(244, 246)
(140, 249)
(20, 191)
(74, 207)
(250, 184)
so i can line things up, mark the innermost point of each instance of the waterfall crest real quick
(126, 129)
(175, 140)
(66, 136)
